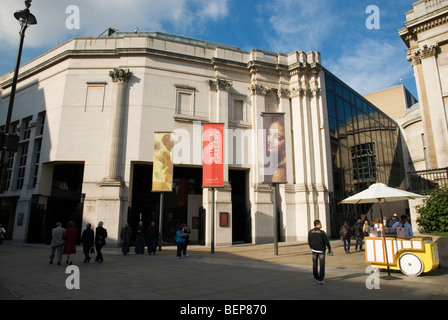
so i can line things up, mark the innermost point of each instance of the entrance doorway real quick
(241, 218)
(8, 207)
(179, 206)
(64, 203)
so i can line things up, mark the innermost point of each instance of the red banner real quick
(213, 155)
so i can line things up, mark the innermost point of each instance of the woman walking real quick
(70, 241)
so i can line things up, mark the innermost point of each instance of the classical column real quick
(120, 77)
(431, 65)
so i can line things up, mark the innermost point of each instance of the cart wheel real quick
(410, 264)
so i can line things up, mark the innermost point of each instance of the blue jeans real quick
(346, 244)
(319, 261)
(358, 242)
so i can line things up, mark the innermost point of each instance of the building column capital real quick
(258, 89)
(120, 75)
(220, 84)
(416, 56)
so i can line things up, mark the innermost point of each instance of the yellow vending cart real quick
(412, 256)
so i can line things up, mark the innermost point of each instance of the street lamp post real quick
(25, 18)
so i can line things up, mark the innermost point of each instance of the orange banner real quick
(162, 174)
(213, 155)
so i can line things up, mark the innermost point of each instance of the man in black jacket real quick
(318, 242)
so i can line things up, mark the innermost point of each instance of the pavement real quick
(235, 273)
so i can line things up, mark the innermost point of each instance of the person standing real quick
(125, 236)
(392, 220)
(140, 240)
(359, 235)
(152, 238)
(100, 241)
(87, 239)
(57, 242)
(403, 223)
(345, 234)
(318, 242)
(187, 232)
(70, 236)
(366, 229)
(2, 233)
(180, 241)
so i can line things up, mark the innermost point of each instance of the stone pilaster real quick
(121, 78)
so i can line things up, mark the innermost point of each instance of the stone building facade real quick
(426, 36)
(86, 113)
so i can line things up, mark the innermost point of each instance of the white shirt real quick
(407, 228)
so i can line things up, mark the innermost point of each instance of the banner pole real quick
(160, 221)
(213, 222)
(275, 222)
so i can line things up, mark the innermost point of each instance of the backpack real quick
(345, 231)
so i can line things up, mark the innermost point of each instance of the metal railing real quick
(425, 180)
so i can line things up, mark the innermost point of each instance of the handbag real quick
(92, 250)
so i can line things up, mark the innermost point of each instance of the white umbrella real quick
(377, 193)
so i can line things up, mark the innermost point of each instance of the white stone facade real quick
(103, 99)
(425, 34)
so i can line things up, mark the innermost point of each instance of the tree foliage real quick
(433, 213)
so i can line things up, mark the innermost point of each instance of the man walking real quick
(57, 242)
(318, 242)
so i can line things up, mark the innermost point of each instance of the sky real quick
(357, 42)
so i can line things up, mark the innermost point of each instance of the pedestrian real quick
(187, 233)
(393, 220)
(100, 241)
(87, 240)
(345, 236)
(2, 234)
(180, 241)
(152, 238)
(70, 237)
(403, 223)
(57, 242)
(359, 235)
(318, 242)
(125, 236)
(366, 228)
(140, 240)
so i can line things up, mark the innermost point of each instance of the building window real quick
(95, 96)
(238, 110)
(185, 102)
(37, 150)
(26, 128)
(40, 124)
(10, 162)
(23, 154)
(364, 161)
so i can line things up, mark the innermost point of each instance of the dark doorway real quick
(64, 204)
(241, 220)
(8, 207)
(145, 205)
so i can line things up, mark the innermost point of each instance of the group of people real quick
(318, 240)
(151, 234)
(64, 242)
(360, 229)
